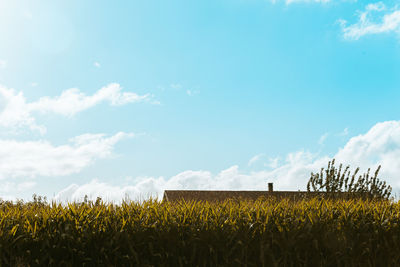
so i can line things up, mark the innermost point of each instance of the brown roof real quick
(204, 195)
(199, 195)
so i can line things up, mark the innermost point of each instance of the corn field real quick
(316, 232)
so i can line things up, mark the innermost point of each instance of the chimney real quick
(270, 187)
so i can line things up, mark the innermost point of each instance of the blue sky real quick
(114, 98)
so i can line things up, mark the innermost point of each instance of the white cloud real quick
(96, 64)
(8, 190)
(322, 139)
(41, 158)
(34, 84)
(261, 160)
(379, 6)
(15, 111)
(6, 187)
(370, 21)
(178, 87)
(255, 159)
(73, 101)
(273, 162)
(95, 188)
(289, 176)
(379, 146)
(3, 64)
(24, 186)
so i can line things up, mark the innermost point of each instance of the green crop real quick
(267, 232)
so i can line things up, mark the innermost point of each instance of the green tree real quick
(335, 180)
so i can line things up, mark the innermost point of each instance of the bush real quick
(333, 180)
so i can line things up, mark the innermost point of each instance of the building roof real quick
(200, 195)
(208, 195)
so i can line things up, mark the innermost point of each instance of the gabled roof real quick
(200, 195)
(204, 195)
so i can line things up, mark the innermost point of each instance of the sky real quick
(124, 99)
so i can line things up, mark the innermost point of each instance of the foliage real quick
(316, 232)
(334, 180)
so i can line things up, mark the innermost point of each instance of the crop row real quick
(268, 232)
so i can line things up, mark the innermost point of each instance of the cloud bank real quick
(291, 175)
(16, 112)
(379, 146)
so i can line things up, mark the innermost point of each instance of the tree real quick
(335, 180)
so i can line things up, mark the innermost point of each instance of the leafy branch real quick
(335, 180)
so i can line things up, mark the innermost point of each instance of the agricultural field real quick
(268, 232)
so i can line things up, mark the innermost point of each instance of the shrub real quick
(335, 180)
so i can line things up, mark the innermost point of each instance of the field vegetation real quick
(327, 230)
(267, 232)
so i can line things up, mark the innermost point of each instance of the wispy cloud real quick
(379, 146)
(375, 19)
(261, 160)
(15, 111)
(41, 158)
(96, 64)
(322, 139)
(255, 159)
(179, 87)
